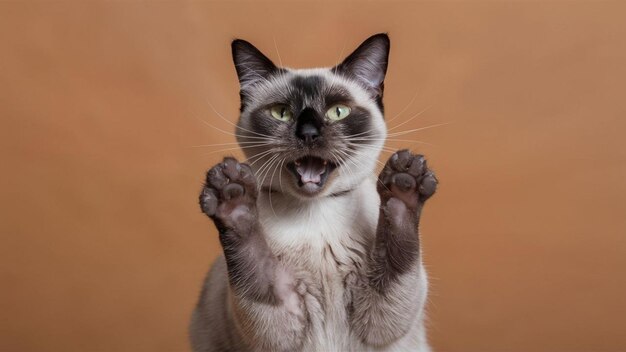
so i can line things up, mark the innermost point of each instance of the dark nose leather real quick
(308, 127)
(308, 132)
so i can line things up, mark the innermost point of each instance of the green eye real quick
(338, 112)
(281, 112)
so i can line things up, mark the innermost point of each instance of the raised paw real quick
(229, 195)
(407, 178)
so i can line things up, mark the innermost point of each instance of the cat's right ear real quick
(368, 63)
(251, 65)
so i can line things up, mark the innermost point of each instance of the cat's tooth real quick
(325, 162)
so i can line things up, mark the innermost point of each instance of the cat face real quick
(312, 132)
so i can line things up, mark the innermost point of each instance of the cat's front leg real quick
(266, 305)
(392, 294)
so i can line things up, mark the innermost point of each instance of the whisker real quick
(280, 175)
(361, 133)
(282, 77)
(267, 168)
(230, 133)
(349, 158)
(272, 182)
(280, 61)
(418, 129)
(389, 140)
(261, 169)
(412, 117)
(334, 78)
(383, 148)
(403, 110)
(234, 148)
(221, 150)
(237, 127)
(339, 160)
(259, 156)
(255, 143)
(411, 142)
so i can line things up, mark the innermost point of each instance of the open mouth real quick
(311, 172)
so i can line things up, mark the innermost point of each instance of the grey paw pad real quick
(228, 185)
(406, 176)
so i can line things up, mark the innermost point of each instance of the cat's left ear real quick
(368, 63)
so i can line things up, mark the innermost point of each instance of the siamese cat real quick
(319, 254)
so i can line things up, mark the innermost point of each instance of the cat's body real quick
(319, 256)
(327, 261)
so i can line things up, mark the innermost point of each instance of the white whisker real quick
(230, 133)
(237, 127)
(418, 129)
(280, 61)
(279, 162)
(403, 110)
(249, 144)
(412, 117)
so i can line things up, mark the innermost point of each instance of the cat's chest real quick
(326, 259)
(322, 241)
(324, 245)
(328, 275)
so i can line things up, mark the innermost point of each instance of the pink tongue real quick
(311, 170)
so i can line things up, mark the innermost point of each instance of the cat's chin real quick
(311, 174)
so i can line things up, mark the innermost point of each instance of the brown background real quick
(101, 105)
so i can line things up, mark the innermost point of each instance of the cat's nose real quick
(308, 126)
(308, 132)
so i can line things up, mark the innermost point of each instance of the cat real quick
(319, 254)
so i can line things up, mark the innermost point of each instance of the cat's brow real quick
(310, 86)
(338, 96)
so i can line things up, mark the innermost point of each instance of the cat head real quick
(312, 132)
